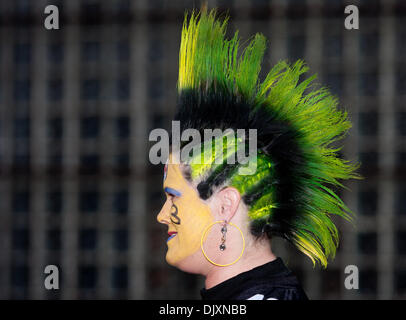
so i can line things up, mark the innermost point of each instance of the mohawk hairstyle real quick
(292, 192)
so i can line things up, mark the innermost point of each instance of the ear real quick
(228, 201)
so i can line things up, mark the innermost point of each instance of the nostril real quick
(161, 218)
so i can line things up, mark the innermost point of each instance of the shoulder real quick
(285, 287)
(277, 293)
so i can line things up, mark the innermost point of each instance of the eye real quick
(170, 196)
(172, 192)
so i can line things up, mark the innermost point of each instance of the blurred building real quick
(76, 108)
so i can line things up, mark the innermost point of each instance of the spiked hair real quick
(292, 192)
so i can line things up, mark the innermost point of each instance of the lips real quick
(171, 235)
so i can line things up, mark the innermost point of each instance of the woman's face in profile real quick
(186, 215)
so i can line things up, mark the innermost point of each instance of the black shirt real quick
(271, 281)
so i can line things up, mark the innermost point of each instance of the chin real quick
(189, 264)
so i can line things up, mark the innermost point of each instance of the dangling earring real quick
(223, 240)
(223, 236)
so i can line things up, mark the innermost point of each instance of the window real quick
(89, 127)
(296, 46)
(120, 240)
(54, 202)
(119, 277)
(22, 7)
(54, 161)
(369, 161)
(123, 127)
(21, 201)
(260, 9)
(89, 201)
(155, 50)
(120, 202)
(53, 239)
(22, 53)
(369, 44)
(123, 88)
(123, 51)
(87, 239)
(55, 52)
(400, 76)
(19, 276)
(400, 200)
(369, 84)
(367, 242)
(91, 13)
(400, 118)
(331, 282)
(332, 46)
(89, 164)
(335, 82)
(22, 90)
(87, 277)
(90, 89)
(401, 242)
(21, 239)
(158, 121)
(21, 127)
(21, 156)
(55, 90)
(400, 36)
(90, 51)
(368, 123)
(155, 87)
(368, 280)
(400, 281)
(367, 202)
(122, 163)
(55, 128)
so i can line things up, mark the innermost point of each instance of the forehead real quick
(173, 176)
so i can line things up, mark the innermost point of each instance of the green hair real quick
(292, 192)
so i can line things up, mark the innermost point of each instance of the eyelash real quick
(171, 196)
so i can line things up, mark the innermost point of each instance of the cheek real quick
(194, 218)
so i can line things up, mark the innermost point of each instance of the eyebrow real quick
(173, 192)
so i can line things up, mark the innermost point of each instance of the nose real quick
(164, 215)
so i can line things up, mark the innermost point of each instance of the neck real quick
(256, 258)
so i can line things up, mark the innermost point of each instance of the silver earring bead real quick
(223, 236)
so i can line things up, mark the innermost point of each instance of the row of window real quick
(332, 46)
(88, 202)
(87, 239)
(87, 277)
(119, 163)
(89, 164)
(90, 51)
(91, 89)
(368, 202)
(332, 282)
(368, 242)
(90, 126)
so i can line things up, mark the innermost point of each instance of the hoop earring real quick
(204, 236)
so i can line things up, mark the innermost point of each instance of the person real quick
(222, 214)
